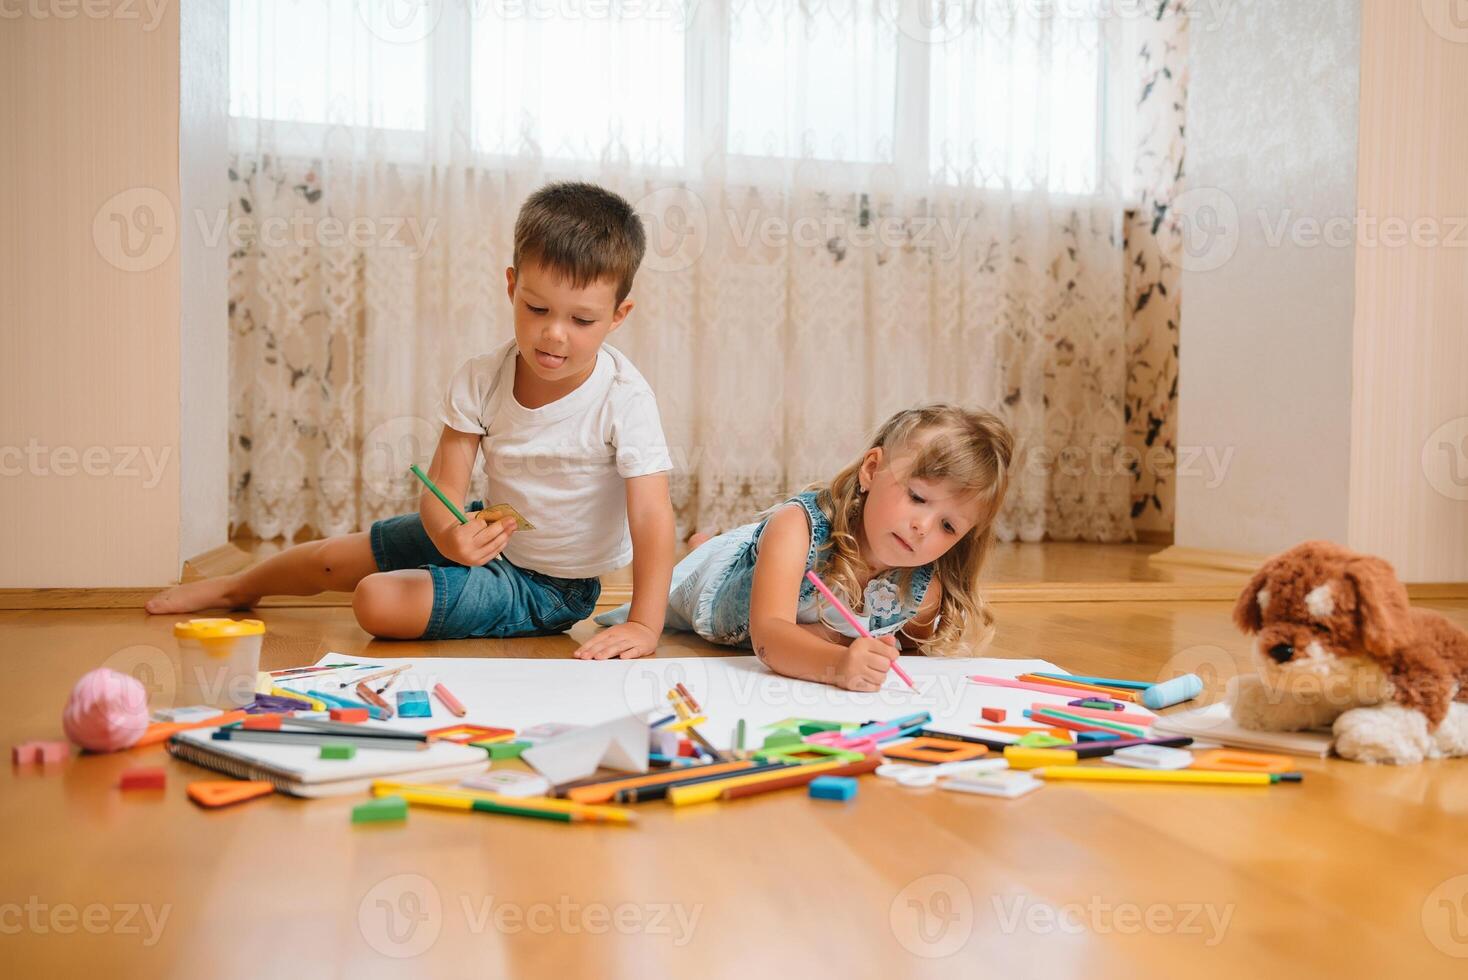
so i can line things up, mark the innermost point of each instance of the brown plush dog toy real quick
(1338, 646)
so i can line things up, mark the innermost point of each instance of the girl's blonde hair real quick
(969, 449)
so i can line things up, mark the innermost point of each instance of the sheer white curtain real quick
(853, 206)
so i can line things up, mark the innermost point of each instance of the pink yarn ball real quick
(107, 711)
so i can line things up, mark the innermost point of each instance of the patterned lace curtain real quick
(852, 207)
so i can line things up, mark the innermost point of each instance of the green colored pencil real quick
(439, 494)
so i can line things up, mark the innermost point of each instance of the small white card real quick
(1007, 784)
(508, 782)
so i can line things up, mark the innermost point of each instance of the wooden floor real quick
(1358, 872)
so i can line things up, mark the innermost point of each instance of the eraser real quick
(333, 751)
(25, 753)
(262, 723)
(353, 715)
(149, 778)
(414, 704)
(1006, 784)
(1151, 757)
(993, 714)
(841, 788)
(1175, 691)
(52, 752)
(508, 782)
(1097, 736)
(384, 808)
(506, 750)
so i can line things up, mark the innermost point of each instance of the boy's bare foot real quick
(209, 593)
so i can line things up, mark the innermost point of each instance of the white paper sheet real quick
(518, 693)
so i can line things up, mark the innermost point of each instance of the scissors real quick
(920, 776)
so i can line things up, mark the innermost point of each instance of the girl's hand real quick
(627, 640)
(477, 542)
(864, 664)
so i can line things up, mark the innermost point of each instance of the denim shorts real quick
(495, 600)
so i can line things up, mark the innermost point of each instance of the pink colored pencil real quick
(855, 623)
(1069, 692)
(450, 702)
(1125, 717)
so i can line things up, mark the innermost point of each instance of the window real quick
(669, 83)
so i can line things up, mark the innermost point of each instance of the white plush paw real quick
(1386, 733)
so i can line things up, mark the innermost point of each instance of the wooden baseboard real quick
(1228, 561)
(226, 559)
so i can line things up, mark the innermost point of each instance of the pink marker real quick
(855, 623)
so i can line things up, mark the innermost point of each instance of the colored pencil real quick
(855, 623)
(538, 804)
(336, 700)
(604, 790)
(162, 731)
(1098, 775)
(318, 738)
(642, 794)
(1047, 688)
(1054, 716)
(349, 728)
(688, 697)
(458, 514)
(449, 701)
(1113, 693)
(1125, 717)
(867, 765)
(365, 692)
(1103, 681)
(372, 677)
(714, 788)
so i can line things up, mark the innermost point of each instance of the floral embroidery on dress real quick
(882, 597)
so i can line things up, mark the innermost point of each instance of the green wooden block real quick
(781, 738)
(1041, 740)
(812, 727)
(505, 750)
(338, 751)
(384, 808)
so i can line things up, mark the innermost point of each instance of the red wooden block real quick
(53, 752)
(354, 715)
(685, 747)
(25, 753)
(993, 714)
(150, 778)
(262, 723)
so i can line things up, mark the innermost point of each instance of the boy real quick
(571, 438)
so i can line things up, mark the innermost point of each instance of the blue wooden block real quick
(841, 788)
(414, 704)
(1096, 736)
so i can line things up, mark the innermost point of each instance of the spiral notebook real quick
(299, 770)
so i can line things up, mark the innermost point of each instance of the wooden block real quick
(151, 777)
(52, 752)
(330, 751)
(25, 753)
(353, 715)
(262, 723)
(993, 714)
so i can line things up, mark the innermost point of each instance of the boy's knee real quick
(393, 605)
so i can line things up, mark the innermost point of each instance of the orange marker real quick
(449, 701)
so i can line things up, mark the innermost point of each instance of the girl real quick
(901, 535)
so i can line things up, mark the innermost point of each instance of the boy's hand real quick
(477, 542)
(864, 664)
(627, 640)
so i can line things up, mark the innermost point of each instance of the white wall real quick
(1265, 349)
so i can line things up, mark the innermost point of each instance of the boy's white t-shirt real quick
(562, 465)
